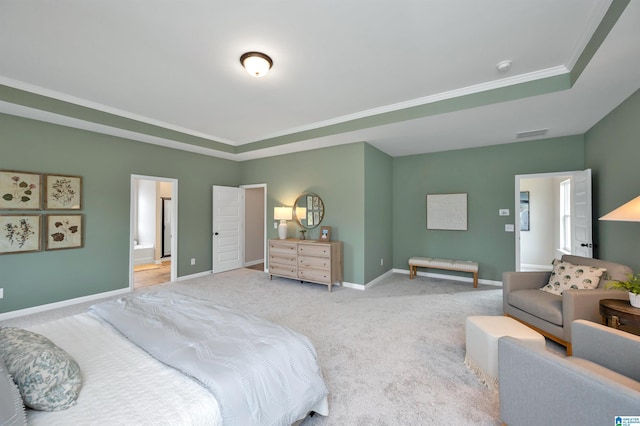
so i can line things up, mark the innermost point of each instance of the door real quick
(542, 238)
(166, 227)
(581, 230)
(228, 227)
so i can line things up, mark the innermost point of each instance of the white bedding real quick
(122, 384)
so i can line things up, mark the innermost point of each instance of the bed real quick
(249, 371)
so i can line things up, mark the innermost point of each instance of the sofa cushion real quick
(566, 276)
(538, 303)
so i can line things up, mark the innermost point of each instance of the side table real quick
(616, 313)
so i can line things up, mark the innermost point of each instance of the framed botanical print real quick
(20, 233)
(63, 192)
(64, 231)
(325, 233)
(20, 190)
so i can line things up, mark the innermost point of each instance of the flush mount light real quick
(504, 66)
(257, 64)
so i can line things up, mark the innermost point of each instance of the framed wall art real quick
(447, 211)
(20, 190)
(20, 233)
(524, 210)
(63, 192)
(64, 231)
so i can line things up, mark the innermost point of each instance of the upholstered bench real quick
(482, 334)
(448, 264)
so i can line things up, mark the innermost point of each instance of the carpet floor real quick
(390, 355)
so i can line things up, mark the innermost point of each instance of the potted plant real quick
(632, 285)
(302, 234)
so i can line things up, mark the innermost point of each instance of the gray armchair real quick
(550, 314)
(598, 383)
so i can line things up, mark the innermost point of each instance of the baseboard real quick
(62, 304)
(450, 277)
(253, 262)
(198, 275)
(531, 267)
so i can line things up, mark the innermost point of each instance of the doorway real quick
(546, 228)
(153, 230)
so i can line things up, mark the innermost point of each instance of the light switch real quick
(503, 212)
(509, 227)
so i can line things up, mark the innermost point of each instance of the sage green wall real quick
(336, 174)
(378, 233)
(612, 150)
(105, 164)
(487, 175)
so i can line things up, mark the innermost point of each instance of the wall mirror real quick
(308, 210)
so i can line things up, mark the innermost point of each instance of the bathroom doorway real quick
(153, 230)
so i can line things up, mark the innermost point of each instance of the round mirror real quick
(308, 210)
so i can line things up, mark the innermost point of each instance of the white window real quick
(565, 215)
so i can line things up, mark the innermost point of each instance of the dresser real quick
(306, 260)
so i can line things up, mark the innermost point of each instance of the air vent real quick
(532, 133)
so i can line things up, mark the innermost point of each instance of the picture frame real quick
(20, 233)
(64, 231)
(524, 211)
(447, 211)
(63, 192)
(325, 233)
(20, 190)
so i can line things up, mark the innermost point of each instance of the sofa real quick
(600, 382)
(551, 314)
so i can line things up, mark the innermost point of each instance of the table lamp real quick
(283, 214)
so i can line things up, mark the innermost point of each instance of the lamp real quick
(283, 214)
(257, 64)
(628, 212)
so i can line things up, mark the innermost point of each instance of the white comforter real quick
(122, 385)
(261, 373)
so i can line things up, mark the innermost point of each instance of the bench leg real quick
(475, 280)
(411, 272)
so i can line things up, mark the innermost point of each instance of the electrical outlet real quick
(503, 212)
(193, 261)
(1, 293)
(275, 225)
(381, 262)
(509, 227)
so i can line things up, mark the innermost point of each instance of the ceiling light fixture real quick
(257, 64)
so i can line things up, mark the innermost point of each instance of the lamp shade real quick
(628, 212)
(282, 213)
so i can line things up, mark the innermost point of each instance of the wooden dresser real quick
(306, 260)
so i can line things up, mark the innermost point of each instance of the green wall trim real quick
(68, 109)
(608, 22)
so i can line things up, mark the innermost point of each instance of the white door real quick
(166, 227)
(228, 225)
(581, 231)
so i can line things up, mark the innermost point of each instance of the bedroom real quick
(376, 203)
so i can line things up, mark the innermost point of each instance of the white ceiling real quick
(175, 64)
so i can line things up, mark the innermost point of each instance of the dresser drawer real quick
(283, 270)
(318, 250)
(283, 247)
(315, 275)
(323, 263)
(282, 259)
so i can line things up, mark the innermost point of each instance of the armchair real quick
(551, 315)
(598, 383)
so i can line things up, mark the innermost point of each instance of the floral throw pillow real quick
(48, 378)
(566, 275)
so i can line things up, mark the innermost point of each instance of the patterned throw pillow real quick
(47, 377)
(566, 275)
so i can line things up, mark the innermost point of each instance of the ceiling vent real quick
(532, 133)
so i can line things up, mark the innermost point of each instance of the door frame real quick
(264, 216)
(518, 178)
(174, 223)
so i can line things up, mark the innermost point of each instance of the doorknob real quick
(586, 245)
(215, 233)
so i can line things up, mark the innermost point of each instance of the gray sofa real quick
(598, 383)
(550, 314)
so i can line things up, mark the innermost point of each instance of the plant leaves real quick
(23, 184)
(24, 199)
(8, 197)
